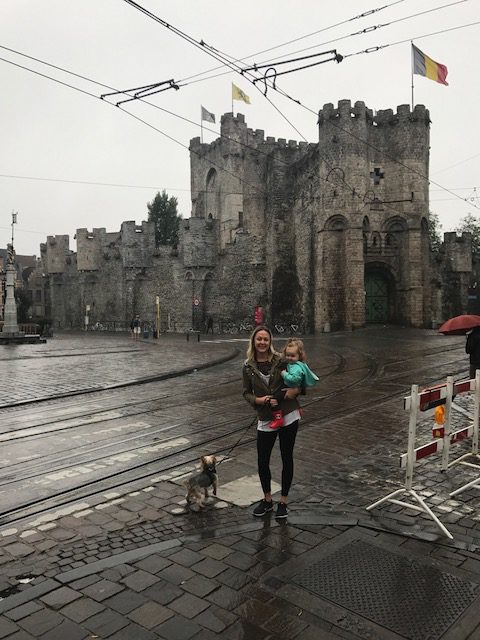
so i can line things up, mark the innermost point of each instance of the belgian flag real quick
(425, 66)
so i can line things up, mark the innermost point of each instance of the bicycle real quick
(229, 327)
(245, 326)
(279, 328)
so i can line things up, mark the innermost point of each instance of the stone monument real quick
(10, 331)
(10, 326)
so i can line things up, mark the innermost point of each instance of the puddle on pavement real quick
(9, 591)
(12, 590)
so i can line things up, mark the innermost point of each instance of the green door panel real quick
(376, 298)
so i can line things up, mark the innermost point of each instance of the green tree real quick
(162, 210)
(472, 225)
(434, 228)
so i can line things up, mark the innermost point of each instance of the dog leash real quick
(238, 441)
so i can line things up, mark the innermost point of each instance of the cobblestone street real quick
(127, 561)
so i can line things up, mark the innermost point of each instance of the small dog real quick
(197, 485)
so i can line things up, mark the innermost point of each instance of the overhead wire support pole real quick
(140, 95)
(142, 90)
(337, 58)
(256, 67)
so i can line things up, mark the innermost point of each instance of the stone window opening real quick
(376, 242)
(336, 223)
(240, 219)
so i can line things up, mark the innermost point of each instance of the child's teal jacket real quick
(299, 374)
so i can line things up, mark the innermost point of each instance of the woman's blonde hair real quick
(296, 342)
(251, 343)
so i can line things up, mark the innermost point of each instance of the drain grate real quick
(409, 597)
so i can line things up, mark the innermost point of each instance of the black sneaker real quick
(282, 511)
(263, 507)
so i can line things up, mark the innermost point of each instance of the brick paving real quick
(135, 566)
(96, 361)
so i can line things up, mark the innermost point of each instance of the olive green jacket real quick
(255, 387)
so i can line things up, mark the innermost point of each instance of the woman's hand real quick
(263, 400)
(292, 393)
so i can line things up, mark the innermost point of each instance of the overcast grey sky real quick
(51, 134)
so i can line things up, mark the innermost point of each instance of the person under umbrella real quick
(472, 347)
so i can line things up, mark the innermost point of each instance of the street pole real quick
(157, 301)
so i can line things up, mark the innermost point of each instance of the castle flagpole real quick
(201, 125)
(411, 50)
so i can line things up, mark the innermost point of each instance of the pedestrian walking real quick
(137, 327)
(472, 347)
(210, 324)
(261, 377)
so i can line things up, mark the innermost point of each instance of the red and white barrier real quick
(436, 446)
(424, 401)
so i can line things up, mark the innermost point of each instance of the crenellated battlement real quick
(457, 249)
(198, 241)
(452, 237)
(383, 117)
(236, 136)
(56, 250)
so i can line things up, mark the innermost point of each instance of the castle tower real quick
(372, 251)
(217, 177)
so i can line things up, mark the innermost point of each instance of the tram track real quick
(150, 435)
(184, 456)
(12, 434)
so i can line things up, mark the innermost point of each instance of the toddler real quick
(296, 373)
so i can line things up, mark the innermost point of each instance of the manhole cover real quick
(412, 598)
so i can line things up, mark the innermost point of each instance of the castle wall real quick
(454, 269)
(298, 228)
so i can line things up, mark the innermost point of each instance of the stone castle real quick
(332, 235)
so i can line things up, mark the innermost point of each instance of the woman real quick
(261, 378)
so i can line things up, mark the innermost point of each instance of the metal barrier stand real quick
(407, 489)
(474, 385)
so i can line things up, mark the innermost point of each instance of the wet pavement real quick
(129, 563)
(82, 362)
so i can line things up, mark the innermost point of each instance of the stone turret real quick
(57, 250)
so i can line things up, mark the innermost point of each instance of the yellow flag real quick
(238, 94)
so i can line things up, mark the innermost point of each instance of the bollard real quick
(198, 336)
(188, 336)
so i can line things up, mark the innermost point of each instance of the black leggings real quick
(265, 442)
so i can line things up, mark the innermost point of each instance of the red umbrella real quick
(459, 325)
